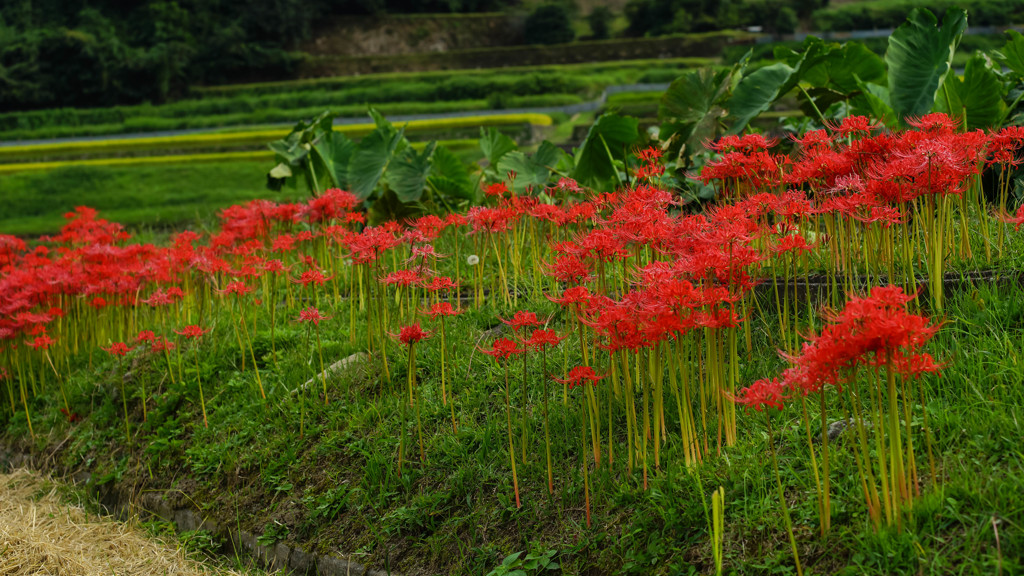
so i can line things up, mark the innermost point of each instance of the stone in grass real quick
(336, 368)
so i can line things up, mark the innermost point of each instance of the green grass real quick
(392, 94)
(443, 128)
(336, 487)
(606, 72)
(277, 115)
(866, 15)
(151, 196)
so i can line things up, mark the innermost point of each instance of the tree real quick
(599, 20)
(549, 24)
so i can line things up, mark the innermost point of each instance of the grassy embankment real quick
(325, 476)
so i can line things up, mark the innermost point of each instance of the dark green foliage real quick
(786, 20)
(549, 24)
(73, 53)
(892, 13)
(599, 19)
(658, 17)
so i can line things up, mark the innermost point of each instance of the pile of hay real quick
(42, 534)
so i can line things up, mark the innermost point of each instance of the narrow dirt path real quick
(40, 533)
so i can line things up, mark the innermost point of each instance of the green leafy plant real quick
(535, 562)
(382, 169)
(272, 534)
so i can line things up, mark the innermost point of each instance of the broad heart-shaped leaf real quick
(689, 111)
(919, 56)
(494, 145)
(381, 122)
(531, 173)
(842, 65)
(370, 159)
(757, 91)
(290, 148)
(977, 99)
(691, 96)
(331, 155)
(873, 102)
(606, 142)
(407, 175)
(449, 177)
(1011, 54)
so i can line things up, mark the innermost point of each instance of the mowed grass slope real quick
(137, 196)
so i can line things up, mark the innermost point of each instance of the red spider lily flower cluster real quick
(502, 349)
(541, 338)
(192, 332)
(521, 319)
(442, 309)
(118, 349)
(313, 315)
(412, 334)
(579, 376)
(874, 331)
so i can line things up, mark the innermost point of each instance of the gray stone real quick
(185, 520)
(337, 367)
(302, 562)
(334, 566)
(281, 555)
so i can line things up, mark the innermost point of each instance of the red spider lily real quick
(412, 334)
(275, 266)
(569, 269)
(41, 342)
(568, 185)
(792, 243)
(71, 416)
(486, 219)
(502, 349)
(580, 375)
(424, 251)
(851, 125)
(146, 336)
(541, 338)
(521, 319)
(498, 189)
(1017, 219)
(441, 283)
(442, 309)
(402, 278)
(237, 287)
(192, 331)
(118, 349)
(649, 171)
(313, 315)
(312, 277)
(161, 344)
(330, 205)
(579, 295)
(763, 393)
(649, 155)
(429, 226)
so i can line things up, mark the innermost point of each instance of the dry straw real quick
(42, 534)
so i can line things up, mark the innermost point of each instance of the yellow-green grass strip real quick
(262, 155)
(582, 68)
(249, 138)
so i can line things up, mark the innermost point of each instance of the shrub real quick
(786, 20)
(549, 24)
(599, 20)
